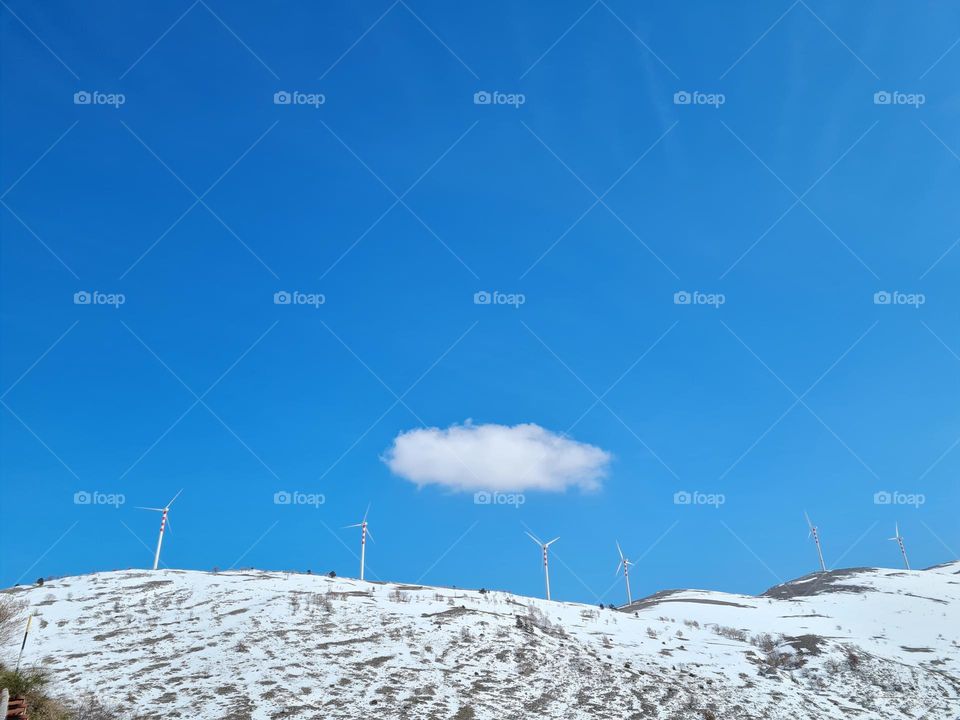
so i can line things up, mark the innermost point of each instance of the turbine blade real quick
(175, 497)
(140, 507)
(619, 551)
(366, 512)
(617, 571)
(370, 534)
(551, 542)
(534, 538)
(809, 524)
(352, 526)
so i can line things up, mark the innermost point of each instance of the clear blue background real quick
(198, 79)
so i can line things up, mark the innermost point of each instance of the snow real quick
(873, 642)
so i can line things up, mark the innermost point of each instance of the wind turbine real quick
(364, 531)
(163, 525)
(899, 538)
(816, 538)
(625, 564)
(546, 564)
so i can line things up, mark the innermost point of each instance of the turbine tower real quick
(625, 564)
(816, 538)
(364, 531)
(165, 511)
(899, 538)
(546, 565)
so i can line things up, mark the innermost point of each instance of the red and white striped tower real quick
(364, 531)
(625, 564)
(816, 539)
(163, 526)
(363, 546)
(899, 538)
(546, 561)
(165, 510)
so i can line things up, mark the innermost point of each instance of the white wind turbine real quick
(546, 564)
(364, 531)
(816, 538)
(899, 538)
(165, 510)
(625, 564)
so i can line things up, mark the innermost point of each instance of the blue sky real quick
(783, 198)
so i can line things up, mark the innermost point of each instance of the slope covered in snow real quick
(867, 643)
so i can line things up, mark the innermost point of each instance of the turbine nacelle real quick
(539, 542)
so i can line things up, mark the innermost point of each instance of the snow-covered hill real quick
(867, 643)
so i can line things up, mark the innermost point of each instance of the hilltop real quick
(869, 643)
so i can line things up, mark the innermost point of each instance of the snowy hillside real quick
(868, 643)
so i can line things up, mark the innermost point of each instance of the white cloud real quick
(496, 458)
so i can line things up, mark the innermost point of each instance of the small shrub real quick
(730, 633)
(853, 660)
(764, 641)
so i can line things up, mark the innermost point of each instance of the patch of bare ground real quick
(349, 641)
(155, 640)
